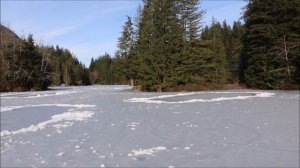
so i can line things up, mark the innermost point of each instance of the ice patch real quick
(154, 99)
(67, 116)
(151, 151)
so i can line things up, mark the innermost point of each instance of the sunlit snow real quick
(112, 126)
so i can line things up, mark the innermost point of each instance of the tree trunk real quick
(286, 57)
(159, 88)
(132, 82)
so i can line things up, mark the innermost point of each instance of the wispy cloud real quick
(57, 32)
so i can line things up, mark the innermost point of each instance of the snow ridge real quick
(151, 151)
(73, 114)
(29, 95)
(10, 108)
(154, 99)
(67, 116)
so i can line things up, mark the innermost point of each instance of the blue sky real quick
(90, 28)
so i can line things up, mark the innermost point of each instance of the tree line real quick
(27, 66)
(166, 47)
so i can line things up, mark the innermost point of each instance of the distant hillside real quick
(8, 35)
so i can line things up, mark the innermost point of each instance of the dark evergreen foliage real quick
(271, 43)
(102, 71)
(27, 66)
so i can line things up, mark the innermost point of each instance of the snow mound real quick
(154, 99)
(265, 94)
(151, 151)
(78, 106)
(60, 154)
(29, 95)
(67, 116)
(9, 108)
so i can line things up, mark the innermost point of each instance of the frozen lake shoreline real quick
(112, 126)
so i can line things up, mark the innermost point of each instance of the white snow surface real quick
(112, 126)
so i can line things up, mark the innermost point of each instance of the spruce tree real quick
(158, 43)
(190, 56)
(228, 46)
(190, 18)
(234, 62)
(126, 52)
(218, 63)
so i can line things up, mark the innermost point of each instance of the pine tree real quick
(218, 63)
(31, 62)
(93, 72)
(126, 53)
(234, 62)
(157, 44)
(228, 46)
(190, 56)
(190, 18)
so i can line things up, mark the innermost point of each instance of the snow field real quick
(132, 129)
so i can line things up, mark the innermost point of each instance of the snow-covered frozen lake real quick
(111, 126)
